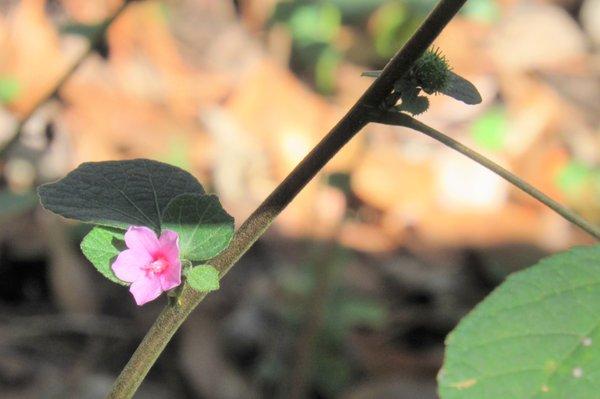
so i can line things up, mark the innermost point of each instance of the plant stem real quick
(401, 119)
(157, 337)
(94, 39)
(259, 221)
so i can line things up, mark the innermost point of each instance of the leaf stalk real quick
(401, 119)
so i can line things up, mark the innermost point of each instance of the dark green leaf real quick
(414, 105)
(203, 278)
(462, 90)
(536, 336)
(101, 246)
(204, 228)
(118, 193)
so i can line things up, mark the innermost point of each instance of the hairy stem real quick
(259, 221)
(94, 39)
(400, 119)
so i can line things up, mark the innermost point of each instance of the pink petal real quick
(145, 290)
(129, 263)
(169, 246)
(142, 239)
(171, 277)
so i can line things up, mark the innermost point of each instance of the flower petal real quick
(145, 290)
(142, 238)
(129, 263)
(171, 277)
(169, 245)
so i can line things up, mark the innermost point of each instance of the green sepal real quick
(101, 246)
(202, 278)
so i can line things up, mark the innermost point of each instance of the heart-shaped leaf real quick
(536, 336)
(118, 193)
(204, 228)
(101, 246)
(203, 278)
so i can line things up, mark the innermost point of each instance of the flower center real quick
(157, 266)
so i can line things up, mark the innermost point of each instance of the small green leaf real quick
(312, 23)
(461, 89)
(101, 246)
(325, 69)
(536, 336)
(203, 278)
(490, 129)
(118, 193)
(389, 27)
(9, 89)
(204, 228)
(574, 176)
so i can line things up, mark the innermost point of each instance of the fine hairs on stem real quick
(367, 109)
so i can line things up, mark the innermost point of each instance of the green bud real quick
(431, 72)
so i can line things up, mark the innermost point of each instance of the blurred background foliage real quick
(353, 290)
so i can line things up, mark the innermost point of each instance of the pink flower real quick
(150, 264)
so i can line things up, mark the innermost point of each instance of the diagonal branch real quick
(94, 40)
(259, 221)
(401, 119)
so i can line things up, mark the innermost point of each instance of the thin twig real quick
(94, 40)
(259, 221)
(401, 119)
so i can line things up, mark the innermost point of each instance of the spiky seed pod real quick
(431, 71)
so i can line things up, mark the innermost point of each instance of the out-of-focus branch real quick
(94, 40)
